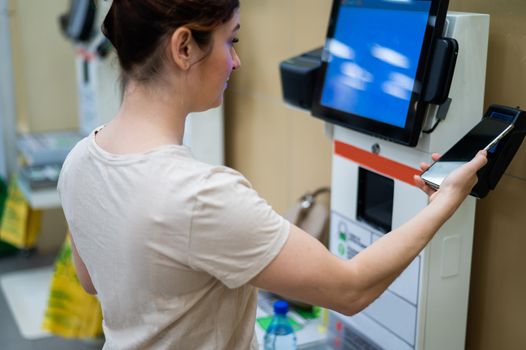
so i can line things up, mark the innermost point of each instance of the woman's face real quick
(214, 71)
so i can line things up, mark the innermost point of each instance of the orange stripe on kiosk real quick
(377, 163)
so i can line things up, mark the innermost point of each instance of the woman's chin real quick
(218, 102)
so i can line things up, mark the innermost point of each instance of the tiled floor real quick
(10, 338)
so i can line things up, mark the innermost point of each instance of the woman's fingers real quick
(424, 166)
(461, 180)
(423, 186)
(434, 156)
(464, 178)
(479, 161)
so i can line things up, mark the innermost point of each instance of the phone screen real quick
(464, 150)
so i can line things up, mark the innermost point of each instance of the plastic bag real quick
(20, 224)
(71, 312)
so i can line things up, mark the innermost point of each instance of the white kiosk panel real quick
(426, 307)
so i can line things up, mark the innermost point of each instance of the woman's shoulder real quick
(176, 173)
(217, 175)
(77, 152)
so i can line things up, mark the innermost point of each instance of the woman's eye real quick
(235, 40)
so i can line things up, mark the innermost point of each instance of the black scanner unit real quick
(498, 161)
(299, 75)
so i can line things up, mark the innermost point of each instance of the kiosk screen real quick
(374, 61)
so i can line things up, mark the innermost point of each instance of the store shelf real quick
(40, 199)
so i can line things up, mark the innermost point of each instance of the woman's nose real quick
(237, 60)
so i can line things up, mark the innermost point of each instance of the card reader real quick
(500, 157)
(501, 132)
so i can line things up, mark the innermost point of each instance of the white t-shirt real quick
(170, 244)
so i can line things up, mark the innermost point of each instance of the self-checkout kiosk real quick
(99, 90)
(386, 88)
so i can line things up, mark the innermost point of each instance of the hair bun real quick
(137, 29)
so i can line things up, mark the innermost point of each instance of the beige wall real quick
(44, 67)
(283, 152)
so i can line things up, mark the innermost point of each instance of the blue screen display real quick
(373, 58)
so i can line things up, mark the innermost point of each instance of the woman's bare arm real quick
(305, 270)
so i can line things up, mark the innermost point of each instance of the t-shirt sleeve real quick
(234, 234)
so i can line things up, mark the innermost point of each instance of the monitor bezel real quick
(409, 134)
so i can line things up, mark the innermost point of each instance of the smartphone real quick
(485, 135)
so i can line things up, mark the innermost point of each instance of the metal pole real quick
(7, 96)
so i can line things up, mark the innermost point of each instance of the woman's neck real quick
(147, 118)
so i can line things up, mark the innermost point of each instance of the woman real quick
(174, 248)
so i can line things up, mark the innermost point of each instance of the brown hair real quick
(138, 29)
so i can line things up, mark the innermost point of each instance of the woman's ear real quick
(183, 48)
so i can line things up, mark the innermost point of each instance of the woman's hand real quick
(459, 183)
(421, 183)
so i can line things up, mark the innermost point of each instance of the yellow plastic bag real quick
(20, 224)
(71, 312)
